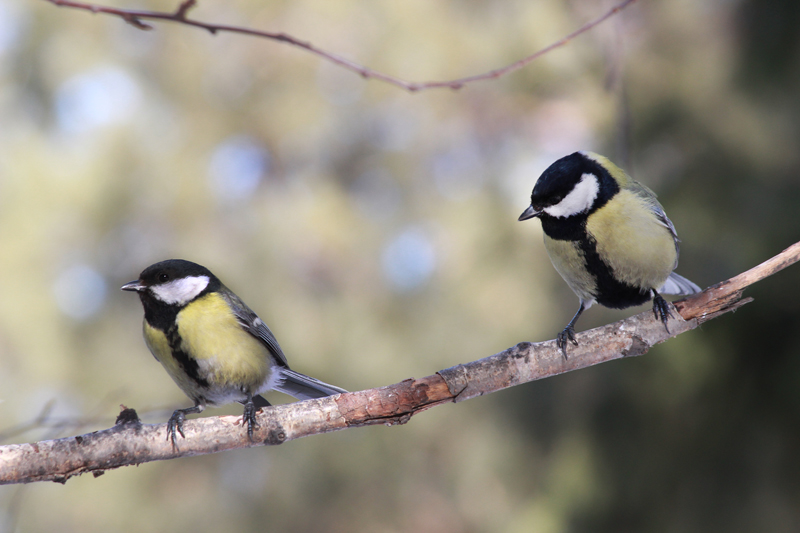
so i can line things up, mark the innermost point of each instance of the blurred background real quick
(375, 232)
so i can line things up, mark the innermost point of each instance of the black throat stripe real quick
(610, 292)
(164, 317)
(189, 364)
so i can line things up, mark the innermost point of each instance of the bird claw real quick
(174, 424)
(567, 335)
(249, 417)
(661, 310)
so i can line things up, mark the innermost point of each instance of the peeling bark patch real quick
(398, 420)
(523, 351)
(456, 379)
(420, 393)
(638, 347)
(275, 436)
(393, 404)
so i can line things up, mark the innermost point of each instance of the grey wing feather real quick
(304, 387)
(292, 383)
(649, 197)
(255, 326)
(676, 284)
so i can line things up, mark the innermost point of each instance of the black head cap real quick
(560, 178)
(172, 269)
(163, 294)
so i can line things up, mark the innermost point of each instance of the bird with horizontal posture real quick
(607, 236)
(212, 344)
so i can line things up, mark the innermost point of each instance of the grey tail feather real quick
(679, 286)
(259, 401)
(304, 387)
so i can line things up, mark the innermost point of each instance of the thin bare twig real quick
(135, 17)
(131, 442)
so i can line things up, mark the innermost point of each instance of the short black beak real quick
(529, 213)
(133, 286)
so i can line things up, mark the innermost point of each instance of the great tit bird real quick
(212, 345)
(607, 236)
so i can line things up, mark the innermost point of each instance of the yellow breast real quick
(569, 262)
(226, 352)
(639, 249)
(157, 342)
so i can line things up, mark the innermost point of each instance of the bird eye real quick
(163, 277)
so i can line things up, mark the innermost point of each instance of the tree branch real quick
(130, 442)
(135, 18)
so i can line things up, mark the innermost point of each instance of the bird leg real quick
(249, 416)
(661, 309)
(176, 421)
(568, 334)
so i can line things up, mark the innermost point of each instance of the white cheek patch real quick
(579, 200)
(180, 291)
